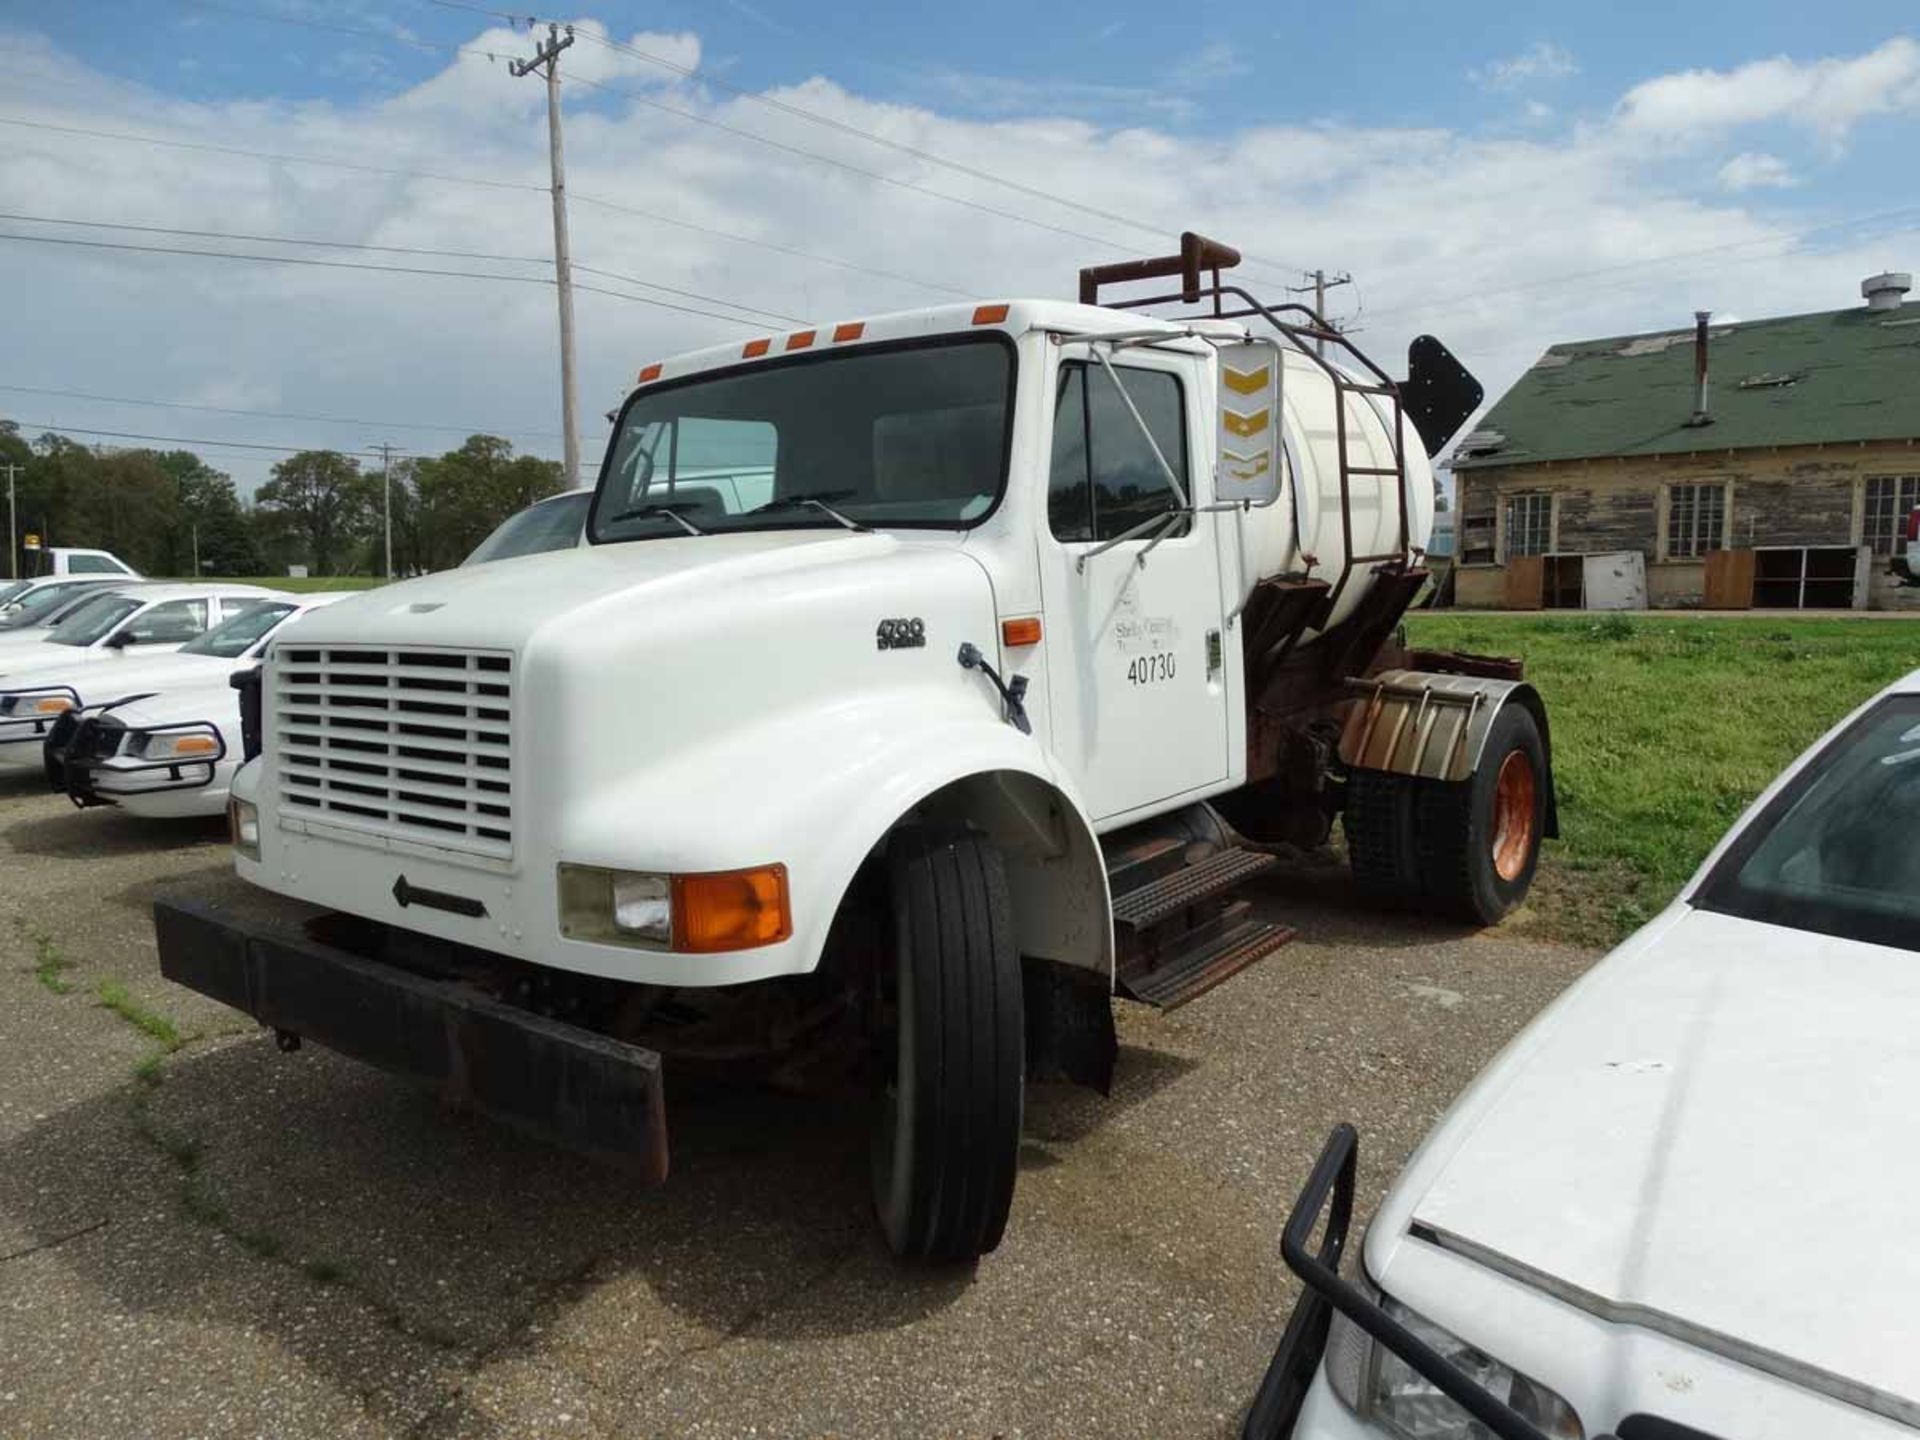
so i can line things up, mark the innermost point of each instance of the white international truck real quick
(1036, 629)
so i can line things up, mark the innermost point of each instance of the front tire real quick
(947, 1139)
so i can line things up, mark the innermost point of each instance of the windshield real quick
(10, 592)
(93, 620)
(232, 640)
(551, 525)
(1838, 851)
(36, 607)
(900, 435)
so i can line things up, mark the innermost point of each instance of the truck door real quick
(1135, 687)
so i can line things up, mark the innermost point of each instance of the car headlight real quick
(1379, 1386)
(243, 825)
(37, 705)
(184, 745)
(626, 907)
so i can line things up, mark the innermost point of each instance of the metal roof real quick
(1843, 375)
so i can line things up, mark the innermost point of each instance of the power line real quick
(801, 112)
(274, 239)
(324, 163)
(357, 265)
(41, 427)
(359, 422)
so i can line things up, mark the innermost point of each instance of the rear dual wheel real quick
(1466, 850)
(947, 1136)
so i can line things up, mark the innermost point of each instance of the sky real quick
(1505, 179)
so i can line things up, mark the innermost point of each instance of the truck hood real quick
(502, 605)
(1712, 1136)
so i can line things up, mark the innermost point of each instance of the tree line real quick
(319, 508)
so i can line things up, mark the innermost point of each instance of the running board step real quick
(1189, 974)
(1160, 898)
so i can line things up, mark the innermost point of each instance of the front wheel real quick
(947, 1137)
(1479, 841)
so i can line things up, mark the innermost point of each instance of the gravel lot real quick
(238, 1242)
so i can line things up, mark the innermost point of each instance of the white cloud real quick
(1828, 96)
(1466, 235)
(1211, 63)
(1542, 60)
(1755, 170)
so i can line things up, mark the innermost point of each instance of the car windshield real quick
(91, 621)
(233, 639)
(36, 607)
(13, 591)
(897, 435)
(1838, 850)
(551, 525)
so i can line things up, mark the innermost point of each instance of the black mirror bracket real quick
(1013, 693)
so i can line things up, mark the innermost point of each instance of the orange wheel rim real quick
(1513, 807)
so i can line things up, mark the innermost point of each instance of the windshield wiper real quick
(816, 501)
(641, 512)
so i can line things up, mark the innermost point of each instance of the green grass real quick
(157, 1027)
(1663, 731)
(50, 965)
(298, 584)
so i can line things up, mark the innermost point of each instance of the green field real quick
(1663, 731)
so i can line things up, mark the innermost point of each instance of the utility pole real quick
(547, 60)
(13, 537)
(196, 549)
(386, 484)
(1322, 282)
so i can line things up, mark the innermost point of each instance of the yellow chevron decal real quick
(1249, 469)
(1247, 382)
(1245, 424)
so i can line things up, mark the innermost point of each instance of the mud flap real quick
(585, 1090)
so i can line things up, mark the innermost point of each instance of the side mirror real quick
(119, 640)
(1252, 423)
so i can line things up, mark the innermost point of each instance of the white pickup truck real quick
(898, 757)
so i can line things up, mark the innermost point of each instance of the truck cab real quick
(927, 678)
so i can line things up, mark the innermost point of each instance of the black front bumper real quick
(586, 1090)
(1284, 1388)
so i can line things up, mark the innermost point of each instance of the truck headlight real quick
(627, 907)
(188, 745)
(243, 825)
(692, 914)
(1378, 1385)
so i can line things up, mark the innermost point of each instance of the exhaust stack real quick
(1701, 415)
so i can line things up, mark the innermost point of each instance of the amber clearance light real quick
(731, 910)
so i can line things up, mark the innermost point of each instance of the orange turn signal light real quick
(52, 705)
(852, 330)
(990, 315)
(650, 374)
(195, 745)
(731, 910)
(1024, 631)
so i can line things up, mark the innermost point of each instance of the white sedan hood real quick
(1713, 1135)
(199, 703)
(110, 674)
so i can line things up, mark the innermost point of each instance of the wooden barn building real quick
(1758, 464)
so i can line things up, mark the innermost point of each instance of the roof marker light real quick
(990, 315)
(650, 374)
(852, 330)
(800, 339)
(754, 348)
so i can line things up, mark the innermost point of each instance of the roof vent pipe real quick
(1700, 414)
(1885, 292)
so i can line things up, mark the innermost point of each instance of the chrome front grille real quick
(404, 743)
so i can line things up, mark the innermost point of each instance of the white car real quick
(1679, 1203)
(28, 604)
(168, 739)
(40, 678)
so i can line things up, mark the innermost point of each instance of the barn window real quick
(1696, 520)
(1529, 525)
(1890, 499)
